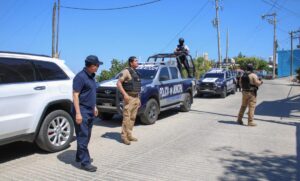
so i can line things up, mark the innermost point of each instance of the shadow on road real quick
(238, 168)
(113, 135)
(234, 117)
(68, 157)
(229, 122)
(263, 166)
(280, 108)
(116, 121)
(18, 150)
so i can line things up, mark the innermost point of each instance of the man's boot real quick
(240, 122)
(126, 141)
(251, 123)
(132, 139)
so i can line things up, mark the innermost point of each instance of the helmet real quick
(250, 67)
(181, 40)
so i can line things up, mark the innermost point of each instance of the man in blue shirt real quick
(85, 110)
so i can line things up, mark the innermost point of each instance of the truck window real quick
(174, 72)
(164, 74)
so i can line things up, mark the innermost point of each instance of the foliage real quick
(258, 63)
(201, 66)
(116, 67)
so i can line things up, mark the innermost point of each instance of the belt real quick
(133, 94)
(248, 90)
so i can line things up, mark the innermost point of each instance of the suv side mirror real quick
(163, 78)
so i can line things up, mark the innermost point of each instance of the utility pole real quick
(216, 23)
(292, 54)
(273, 21)
(53, 29)
(291, 72)
(57, 30)
(227, 46)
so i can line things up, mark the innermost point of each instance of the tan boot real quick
(126, 142)
(132, 139)
(240, 122)
(252, 123)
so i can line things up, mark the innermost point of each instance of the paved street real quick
(203, 144)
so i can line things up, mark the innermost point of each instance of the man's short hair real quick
(131, 59)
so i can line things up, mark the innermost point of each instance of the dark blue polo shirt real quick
(85, 84)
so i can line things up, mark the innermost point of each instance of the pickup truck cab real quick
(163, 88)
(218, 82)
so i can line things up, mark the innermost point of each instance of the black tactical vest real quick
(246, 83)
(133, 85)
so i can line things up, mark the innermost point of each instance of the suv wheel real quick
(106, 116)
(56, 132)
(186, 104)
(151, 112)
(224, 93)
(233, 90)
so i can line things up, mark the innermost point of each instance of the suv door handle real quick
(40, 88)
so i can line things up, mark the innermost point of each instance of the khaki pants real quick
(129, 115)
(249, 100)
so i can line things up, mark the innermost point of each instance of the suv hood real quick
(210, 79)
(113, 83)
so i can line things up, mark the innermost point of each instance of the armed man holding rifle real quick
(182, 51)
(249, 83)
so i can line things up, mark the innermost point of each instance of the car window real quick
(227, 75)
(164, 74)
(147, 73)
(50, 71)
(174, 72)
(16, 71)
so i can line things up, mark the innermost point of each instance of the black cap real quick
(250, 67)
(93, 60)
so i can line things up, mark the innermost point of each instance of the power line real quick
(281, 7)
(186, 25)
(110, 9)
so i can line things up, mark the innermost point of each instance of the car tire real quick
(150, 115)
(234, 90)
(224, 93)
(56, 131)
(106, 116)
(187, 103)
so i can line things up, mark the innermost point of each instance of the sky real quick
(145, 30)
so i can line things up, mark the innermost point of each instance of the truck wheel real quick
(233, 90)
(187, 103)
(224, 93)
(106, 116)
(151, 112)
(56, 132)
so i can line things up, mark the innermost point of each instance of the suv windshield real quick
(214, 75)
(146, 73)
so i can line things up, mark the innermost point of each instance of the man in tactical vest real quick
(249, 83)
(129, 84)
(182, 51)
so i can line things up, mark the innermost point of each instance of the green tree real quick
(201, 66)
(258, 63)
(116, 67)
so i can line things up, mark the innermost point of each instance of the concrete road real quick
(203, 144)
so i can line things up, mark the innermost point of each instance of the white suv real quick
(35, 101)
